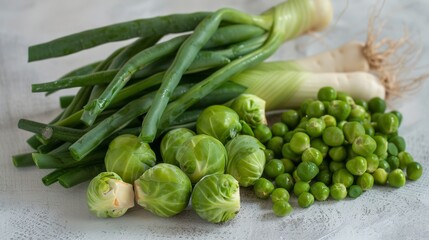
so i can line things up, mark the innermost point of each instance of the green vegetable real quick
(399, 143)
(164, 190)
(329, 120)
(365, 181)
(300, 187)
(263, 188)
(279, 129)
(320, 191)
(380, 176)
(290, 118)
(343, 176)
(396, 178)
(333, 136)
(414, 171)
(388, 123)
(312, 155)
(280, 194)
(315, 127)
(372, 163)
(364, 145)
(338, 154)
(172, 142)
(357, 166)
(216, 198)
(288, 164)
(285, 180)
(299, 142)
(305, 200)
(339, 109)
(327, 94)
(273, 168)
(108, 196)
(354, 191)
(275, 144)
(338, 191)
(405, 158)
(282, 208)
(376, 105)
(307, 171)
(353, 130)
(315, 109)
(263, 133)
(250, 108)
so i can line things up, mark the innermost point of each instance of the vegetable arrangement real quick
(168, 122)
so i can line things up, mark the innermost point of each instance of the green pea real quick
(369, 129)
(279, 129)
(324, 176)
(355, 191)
(269, 154)
(392, 149)
(320, 191)
(339, 109)
(285, 180)
(300, 187)
(393, 162)
(335, 166)
(414, 171)
(282, 208)
(405, 158)
(288, 136)
(338, 154)
(333, 136)
(357, 113)
(289, 154)
(350, 153)
(263, 188)
(305, 200)
(338, 191)
(302, 125)
(246, 129)
(318, 144)
(343, 176)
(341, 124)
(380, 176)
(398, 115)
(372, 163)
(280, 194)
(273, 168)
(290, 118)
(352, 130)
(324, 165)
(375, 116)
(376, 105)
(396, 178)
(307, 171)
(275, 144)
(342, 96)
(384, 165)
(299, 142)
(388, 123)
(364, 145)
(262, 133)
(303, 106)
(327, 94)
(329, 120)
(399, 143)
(365, 181)
(381, 149)
(295, 176)
(288, 164)
(315, 127)
(312, 155)
(315, 109)
(357, 165)
(362, 103)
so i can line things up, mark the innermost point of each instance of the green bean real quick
(48, 132)
(66, 100)
(53, 176)
(157, 26)
(65, 160)
(78, 175)
(23, 160)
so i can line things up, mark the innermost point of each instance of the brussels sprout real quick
(201, 155)
(108, 196)
(220, 122)
(250, 108)
(216, 198)
(171, 143)
(129, 157)
(246, 159)
(164, 190)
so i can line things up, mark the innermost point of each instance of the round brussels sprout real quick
(108, 196)
(216, 198)
(171, 143)
(220, 122)
(129, 157)
(201, 155)
(246, 159)
(250, 108)
(164, 190)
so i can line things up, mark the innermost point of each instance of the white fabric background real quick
(29, 210)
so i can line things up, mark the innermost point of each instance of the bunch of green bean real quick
(152, 84)
(333, 146)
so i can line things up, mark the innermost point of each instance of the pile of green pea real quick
(332, 147)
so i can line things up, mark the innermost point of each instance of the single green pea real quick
(329, 120)
(381, 149)
(357, 165)
(290, 118)
(263, 188)
(288, 164)
(300, 187)
(341, 124)
(324, 176)
(393, 162)
(350, 153)
(302, 125)
(289, 154)
(285, 180)
(335, 166)
(339, 109)
(365, 181)
(320, 191)
(392, 149)
(269, 154)
(369, 128)
(352, 130)
(299, 142)
(380, 176)
(315, 127)
(398, 115)
(262, 133)
(312, 155)
(275, 144)
(357, 113)
(364, 145)
(315, 109)
(303, 106)
(279, 129)
(414, 170)
(282, 208)
(399, 143)
(396, 178)
(246, 129)
(377, 105)
(295, 176)
(388, 123)
(343, 176)
(327, 94)
(384, 165)
(404, 159)
(305, 200)
(273, 168)
(372, 163)
(288, 136)
(307, 170)
(338, 191)
(333, 136)
(280, 194)
(343, 96)
(362, 103)
(355, 191)
(318, 144)
(338, 154)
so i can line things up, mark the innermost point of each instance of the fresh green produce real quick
(414, 170)
(355, 191)
(282, 208)
(320, 191)
(305, 199)
(164, 190)
(365, 181)
(108, 196)
(380, 176)
(280, 194)
(250, 108)
(172, 142)
(274, 168)
(216, 198)
(396, 178)
(338, 191)
(263, 188)
(285, 180)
